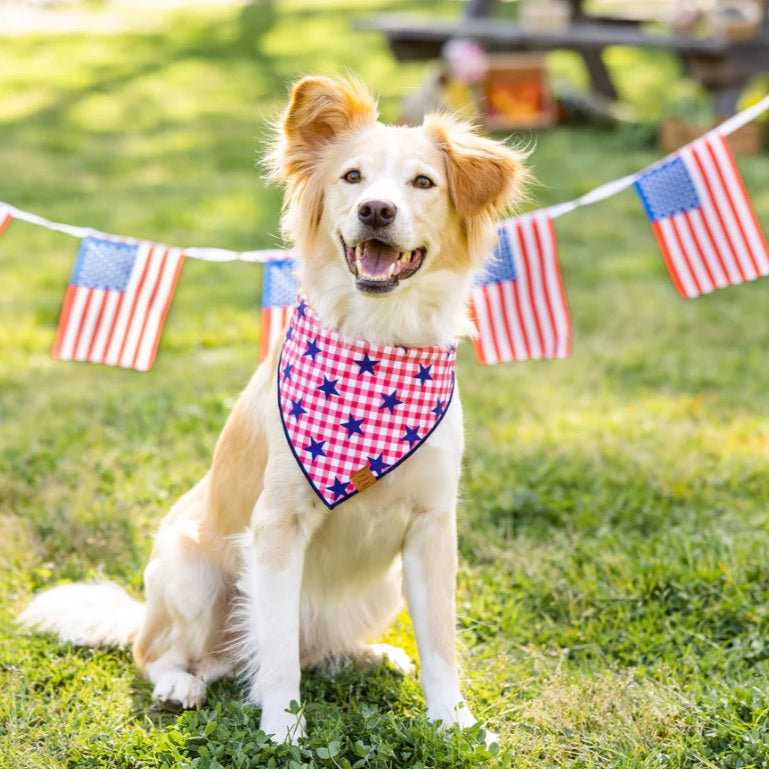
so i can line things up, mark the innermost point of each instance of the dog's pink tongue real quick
(377, 257)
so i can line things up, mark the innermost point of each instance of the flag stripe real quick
(555, 284)
(677, 261)
(102, 304)
(533, 267)
(152, 292)
(746, 214)
(483, 341)
(113, 340)
(703, 177)
(5, 217)
(719, 266)
(502, 341)
(273, 324)
(61, 330)
(80, 300)
(551, 329)
(88, 323)
(513, 330)
(693, 266)
(111, 305)
(733, 216)
(523, 316)
(161, 311)
(140, 293)
(730, 220)
(531, 327)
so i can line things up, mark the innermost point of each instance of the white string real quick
(193, 252)
(603, 192)
(609, 189)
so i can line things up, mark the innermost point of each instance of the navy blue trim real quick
(332, 505)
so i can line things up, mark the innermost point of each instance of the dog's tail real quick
(86, 614)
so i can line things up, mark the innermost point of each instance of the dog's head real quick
(383, 210)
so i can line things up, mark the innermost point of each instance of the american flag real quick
(519, 303)
(703, 219)
(5, 217)
(279, 290)
(116, 302)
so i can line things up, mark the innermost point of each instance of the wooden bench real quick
(722, 66)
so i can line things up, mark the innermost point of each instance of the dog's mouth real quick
(378, 267)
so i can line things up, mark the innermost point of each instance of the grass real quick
(614, 532)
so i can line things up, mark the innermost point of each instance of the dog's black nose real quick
(377, 213)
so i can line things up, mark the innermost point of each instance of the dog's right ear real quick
(320, 110)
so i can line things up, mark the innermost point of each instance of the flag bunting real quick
(695, 199)
(279, 291)
(702, 218)
(518, 303)
(116, 301)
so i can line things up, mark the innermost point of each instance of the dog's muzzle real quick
(379, 267)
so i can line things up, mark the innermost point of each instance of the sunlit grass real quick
(614, 536)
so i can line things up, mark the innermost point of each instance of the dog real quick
(293, 550)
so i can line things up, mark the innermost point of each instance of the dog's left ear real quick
(320, 110)
(485, 176)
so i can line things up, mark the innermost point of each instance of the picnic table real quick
(723, 66)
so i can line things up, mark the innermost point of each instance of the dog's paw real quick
(451, 715)
(401, 661)
(180, 688)
(459, 717)
(283, 725)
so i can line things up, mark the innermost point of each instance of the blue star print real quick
(439, 409)
(390, 401)
(338, 488)
(301, 308)
(377, 464)
(412, 436)
(328, 388)
(366, 365)
(352, 426)
(312, 349)
(316, 448)
(424, 374)
(297, 409)
(287, 369)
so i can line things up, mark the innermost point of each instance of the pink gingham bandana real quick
(353, 411)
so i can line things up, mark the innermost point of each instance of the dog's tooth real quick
(391, 270)
(359, 266)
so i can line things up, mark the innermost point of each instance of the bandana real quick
(353, 411)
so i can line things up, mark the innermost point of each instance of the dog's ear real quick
(485, 176)
(320, 110)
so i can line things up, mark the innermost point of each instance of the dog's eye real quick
(423, 182)
(353, 176)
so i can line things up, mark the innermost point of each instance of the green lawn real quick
(614, 524)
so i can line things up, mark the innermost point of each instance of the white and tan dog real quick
(388, 224)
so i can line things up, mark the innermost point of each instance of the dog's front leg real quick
(430, 567)
(274, 560)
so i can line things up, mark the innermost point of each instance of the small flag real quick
(279, 291)
(5, 217)
(703, 219)
(519, 304)
(116, 302)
